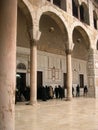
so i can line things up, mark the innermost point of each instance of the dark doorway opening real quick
(81, 77)
(65, 80)
(21, 81)
(39, 83)
(20, 85)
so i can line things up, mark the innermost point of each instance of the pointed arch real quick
(56, 15)
(24, 24)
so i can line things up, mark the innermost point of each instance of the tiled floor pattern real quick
(78, 114)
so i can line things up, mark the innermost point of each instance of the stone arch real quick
(21, 66)
(84, 33)
(84, 13)
(54, 27)
(81, 41)
(27, 10)
(26, 4)
(80, 54)
(82, 37)
(75, 24)
(56, 15)
(50, 9)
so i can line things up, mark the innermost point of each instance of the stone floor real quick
(79, 114)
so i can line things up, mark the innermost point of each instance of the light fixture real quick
(78, 40)
(51, 29)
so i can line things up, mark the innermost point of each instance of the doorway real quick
(65, 80)
(20, 85)
(81, 80)
(39, 83)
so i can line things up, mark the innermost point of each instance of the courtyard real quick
(79, 114)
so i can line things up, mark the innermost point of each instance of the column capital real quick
(68, 51)
(33, 42)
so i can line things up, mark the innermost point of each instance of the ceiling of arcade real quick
(81, 44)
(53, 37)
(24, 23)
(22, 33)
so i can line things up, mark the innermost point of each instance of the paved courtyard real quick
(79, 114)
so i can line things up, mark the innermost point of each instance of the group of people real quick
(85, 91)
(22, 94)
(47, 92)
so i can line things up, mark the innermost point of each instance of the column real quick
(33, 73)
(79, 12)
(8, 21)
(92, 72)
(91, 19)
(51, 1)
(69, 6)
(69, 74)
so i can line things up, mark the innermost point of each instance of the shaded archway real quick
(24, 36)
(54, 33)
(80, 56)
(82, 43)
(24, 25)
(54, 37)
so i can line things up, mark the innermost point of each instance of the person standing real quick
(77, 91)
(72, 91)
(85, 90)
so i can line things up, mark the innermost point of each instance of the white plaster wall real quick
(46, 62)
(79, 67)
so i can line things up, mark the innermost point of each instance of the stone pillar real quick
(8, 21)
(69, 6)
(33, 73)
(69, 74)
(52, 1)
(92, 72)
(91, 19)
(79, 12)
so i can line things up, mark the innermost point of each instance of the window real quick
(21, 66)
(81, 76)
(75, 8)
(57, 2)
(84, 13)
(95, 19)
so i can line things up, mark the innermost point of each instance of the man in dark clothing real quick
(77, 91)
(85, 90)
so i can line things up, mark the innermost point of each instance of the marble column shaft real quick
(33, 73)
(69, 74)
(8, 25)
